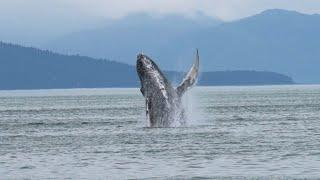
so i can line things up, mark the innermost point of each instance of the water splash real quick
(191, 104)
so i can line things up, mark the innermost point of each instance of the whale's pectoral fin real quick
(142, 91)
(191, 78)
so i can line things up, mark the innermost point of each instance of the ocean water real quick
(233, 132)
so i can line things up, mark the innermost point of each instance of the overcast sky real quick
(59, 16)
(224, 9)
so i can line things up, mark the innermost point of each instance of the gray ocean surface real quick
(233, 132)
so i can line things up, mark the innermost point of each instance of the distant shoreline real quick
(214, 86)
(31, 68)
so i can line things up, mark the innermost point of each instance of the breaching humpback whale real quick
(163, 102)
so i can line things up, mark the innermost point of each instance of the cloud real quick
(224, 9)
(44, 19)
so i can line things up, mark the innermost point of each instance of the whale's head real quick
(151, 77)
(146, 68)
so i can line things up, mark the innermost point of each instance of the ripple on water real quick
(270, 132)
(27, 167)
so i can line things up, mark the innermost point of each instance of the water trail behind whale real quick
(194, 113)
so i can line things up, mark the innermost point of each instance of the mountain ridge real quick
(273, 40)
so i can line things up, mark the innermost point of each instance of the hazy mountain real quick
(121, 40)
(30, 68)
(274, 40)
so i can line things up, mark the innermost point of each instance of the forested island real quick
(31, 68)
